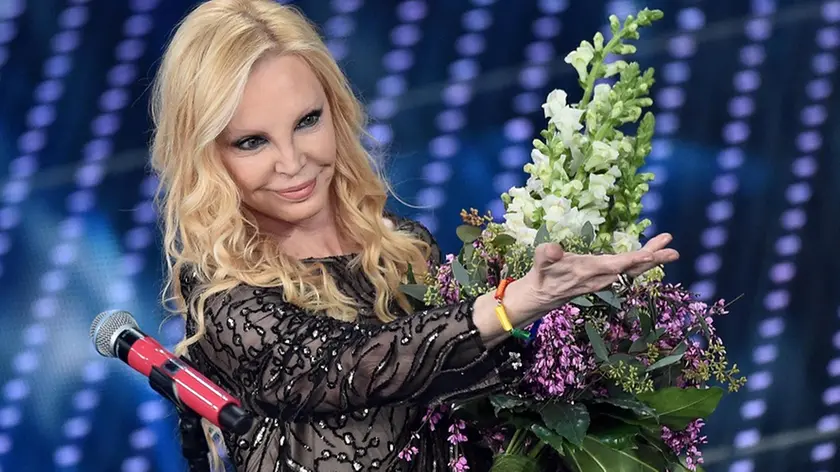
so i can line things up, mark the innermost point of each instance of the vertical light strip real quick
(16, 190)
(397, 62)
(89, 175)
(823, 64)
(533, 76)
(670, 99)
(9, 11)
(457, 94)
(792, 220)
(735, 133)
(38, 119)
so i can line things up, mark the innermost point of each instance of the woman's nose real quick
(288, 159)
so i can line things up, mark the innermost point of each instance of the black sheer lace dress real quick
(337, 396)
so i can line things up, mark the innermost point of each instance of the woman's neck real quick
(315, 237)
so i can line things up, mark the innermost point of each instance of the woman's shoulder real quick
(408, 225)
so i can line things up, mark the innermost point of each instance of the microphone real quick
(116, 334)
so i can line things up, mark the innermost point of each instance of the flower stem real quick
(596, 71)
(515, 441)
(536, 451)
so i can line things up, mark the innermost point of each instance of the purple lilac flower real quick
(457, 435)
(459, 464)
(559, 363)
(408, 453)
(685, 443)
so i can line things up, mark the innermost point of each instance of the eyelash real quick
(304, 123)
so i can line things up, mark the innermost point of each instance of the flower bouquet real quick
(615, 380)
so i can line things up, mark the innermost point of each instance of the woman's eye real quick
(310, 120)
(249, 143)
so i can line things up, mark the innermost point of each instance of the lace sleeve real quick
(283, 361)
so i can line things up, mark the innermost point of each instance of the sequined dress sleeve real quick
(286, 363)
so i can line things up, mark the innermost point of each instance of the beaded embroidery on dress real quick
(331, 395)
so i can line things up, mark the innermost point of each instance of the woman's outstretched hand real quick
(558, 276)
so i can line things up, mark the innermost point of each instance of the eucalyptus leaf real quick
(503, 240)
(468, 233)
(598, 345)
(460, 273)
(581, 301)
(570, 421)
(665, 361)
(646, 324)
(609, 298)
(639, 345)
(409, 276)
(467, 252)
(677, 407)
(588, 233)
(415, 291)
(543, 235)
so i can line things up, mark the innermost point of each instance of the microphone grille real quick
(106, 325)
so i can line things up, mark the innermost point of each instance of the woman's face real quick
(280, 145)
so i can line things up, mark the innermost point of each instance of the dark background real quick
(746, 158)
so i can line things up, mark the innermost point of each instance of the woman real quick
(287, 268)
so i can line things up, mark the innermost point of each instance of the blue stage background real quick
(746, 158)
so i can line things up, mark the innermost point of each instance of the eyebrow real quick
(320, 104)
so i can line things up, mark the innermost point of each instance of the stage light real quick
(533, 78)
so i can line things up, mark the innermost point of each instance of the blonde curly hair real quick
(206, 229)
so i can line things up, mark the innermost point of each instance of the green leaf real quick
(460, 273)
(581, 301)
(542, 235)
(646, 324)
(415, 291)
(514, 463)
(665, 361)
(587, 233)
(630, 404)
(610, 298)
(570, 421)
(595, 456)
(677, 407)
(549, 437)
(639, 345)
(598, 345)
(620, 436)
(467, 252)
(506, 402)
(503, 240)
(468, 233)
(410, 275)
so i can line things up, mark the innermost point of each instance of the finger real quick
(547, 254)
(658, 242)
(664, 256)
(620, 263)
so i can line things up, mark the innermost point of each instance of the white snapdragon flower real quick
(516, 226)
(601, 96)
(522, 202)
(565, 118)
(602, 157)
(624, 242)
(596, 193)
(580, 59)
(563, 220)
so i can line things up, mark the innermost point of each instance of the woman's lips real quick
(299, 192)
